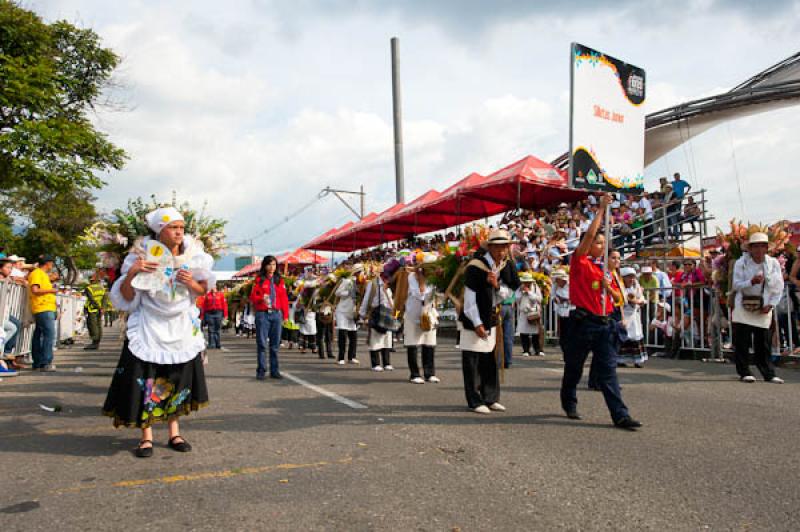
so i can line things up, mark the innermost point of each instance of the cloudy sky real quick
(256, 105)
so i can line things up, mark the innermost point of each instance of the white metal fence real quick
(14, 303)
(705, 325)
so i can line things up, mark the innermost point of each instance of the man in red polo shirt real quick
(215, 308)
(591, 328)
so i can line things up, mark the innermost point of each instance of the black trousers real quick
(530, 341)
(481, 378)
(308, 341)
(427, 361)
(325, 339)
(743, 337)
(347, 340)
(381, 357)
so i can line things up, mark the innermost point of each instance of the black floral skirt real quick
(143, 393)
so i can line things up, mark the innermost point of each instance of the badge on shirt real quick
(595, 285)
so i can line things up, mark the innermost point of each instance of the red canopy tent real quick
(301, 256)
(528, 183)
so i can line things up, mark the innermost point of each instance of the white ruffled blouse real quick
(163, 329)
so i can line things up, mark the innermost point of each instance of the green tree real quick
(58, 219)
(51, 77)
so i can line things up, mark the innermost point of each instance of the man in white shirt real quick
(758, 282)
(489, 279)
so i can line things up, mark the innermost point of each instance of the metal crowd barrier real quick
(706, 324)
(14, 303)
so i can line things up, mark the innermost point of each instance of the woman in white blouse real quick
(420, 307)
(159, 376)
(529, 315)
(378, 294)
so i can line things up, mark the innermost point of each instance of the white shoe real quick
(748, 378)
(526, 354)
(483, 409)
(354, 361)
(418, 380)
(497, 407)
(341, 362)
(540, 354)
(388, 367)
(434, 379)
(776, 380)
(377, 368)
(458, 346)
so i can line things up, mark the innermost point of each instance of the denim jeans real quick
(268, 334)
(11, 337)
(44, 336)
(508, 333)
(580, 337)
(214, 323)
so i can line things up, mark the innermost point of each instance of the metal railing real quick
(702, 323)
(14, 303)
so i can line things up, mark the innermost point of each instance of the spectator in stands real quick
(664, 282)
(691, 213)
(19, 270)
(43, 307)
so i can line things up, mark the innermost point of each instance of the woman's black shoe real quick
(144, 452)
(276, 376)
(573, 414)
(627, 423)
(181, 446)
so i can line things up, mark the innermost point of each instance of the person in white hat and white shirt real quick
(758, 283)
(488, 279)
(378, 294)
(345, 315)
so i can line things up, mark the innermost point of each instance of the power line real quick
(736, 171)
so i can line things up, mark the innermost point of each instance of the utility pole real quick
(398, 122)
(338, 193)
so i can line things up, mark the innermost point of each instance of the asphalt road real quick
(715, 454)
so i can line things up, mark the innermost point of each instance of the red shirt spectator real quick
(264, 287)
(215, 301)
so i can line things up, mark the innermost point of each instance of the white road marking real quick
(327, 393)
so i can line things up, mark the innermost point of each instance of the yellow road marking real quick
(85, 430)
(208, 475)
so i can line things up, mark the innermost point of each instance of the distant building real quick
(241, 262)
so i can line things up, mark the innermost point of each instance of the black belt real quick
(580, 314)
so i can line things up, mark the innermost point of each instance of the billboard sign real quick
(606, 122)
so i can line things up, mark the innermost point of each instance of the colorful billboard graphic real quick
(606, 122)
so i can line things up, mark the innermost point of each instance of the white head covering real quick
(160, 218)
(627, 271)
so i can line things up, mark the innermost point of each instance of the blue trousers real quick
(214, 323)
(507, 314)
(44, 336)
(580, 337)
(268, 334)
(11, 341)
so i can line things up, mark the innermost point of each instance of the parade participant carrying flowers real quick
(159, 376)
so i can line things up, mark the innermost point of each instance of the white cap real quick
(160, 218)
(665, 306)
(647, 269)
(758, 238)
(627, 271)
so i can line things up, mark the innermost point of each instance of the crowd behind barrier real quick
(14, 302)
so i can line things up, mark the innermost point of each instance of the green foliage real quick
(51, 77)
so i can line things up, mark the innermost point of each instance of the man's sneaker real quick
(627, 423)
(776, 380)
(417, 380)
(7, 372)
(540, 354)
(48, 368)
(458, 346)
(388, 367)
(377, 368)
(434, 379)
(483, 409)
(497, 407)
(354, 361)
(526, 354)
(573, 414)
(747, 378)
(91, 347)
(341, 362)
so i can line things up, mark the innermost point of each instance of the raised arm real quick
(591, 233)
